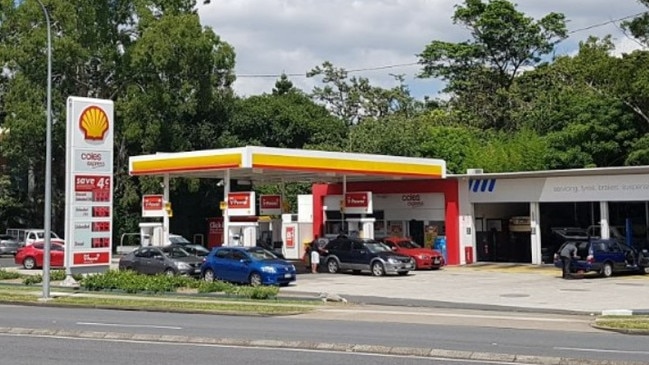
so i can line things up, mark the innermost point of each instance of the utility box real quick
(468, 255)
(151, 234)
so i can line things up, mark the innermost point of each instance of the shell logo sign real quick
(94, 123)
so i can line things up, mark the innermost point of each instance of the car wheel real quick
(29, 263)
(645, 270)
(254, 279)
(607, 270)
(377, 269)
(208, 275)
(170, 272)
(332, 266)
(403, 273)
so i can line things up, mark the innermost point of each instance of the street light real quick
(47, 215)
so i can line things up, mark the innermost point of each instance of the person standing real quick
(315, 258)
(568, 252)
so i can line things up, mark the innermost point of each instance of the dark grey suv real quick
(358, 255)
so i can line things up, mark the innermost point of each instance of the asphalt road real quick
(7, 261)
(464, 337)
(58, 351)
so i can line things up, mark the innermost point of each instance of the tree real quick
(479, 72)
(639, 26)
(354, 99)
(170, 79)
(288, 119)
(589, 106)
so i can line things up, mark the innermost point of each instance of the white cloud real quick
(293, 36)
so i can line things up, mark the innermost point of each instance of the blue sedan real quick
(250, 265)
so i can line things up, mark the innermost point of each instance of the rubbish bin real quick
(468, 255)
(440, 245)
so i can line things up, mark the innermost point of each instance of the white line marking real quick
(602, 350)
(512, 318)
(286, 349)
(128, 325)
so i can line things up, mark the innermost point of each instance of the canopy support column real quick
(226, 214)
(165, 217)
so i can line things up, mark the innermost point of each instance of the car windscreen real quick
(175, 252)
(179, 240)
(261, 254)
(376, 247)
(41, 235)
(408, 244)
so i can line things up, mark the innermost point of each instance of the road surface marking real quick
(534, 319)
(128, 325)
(602, 350)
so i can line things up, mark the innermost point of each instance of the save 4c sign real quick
(89, 182)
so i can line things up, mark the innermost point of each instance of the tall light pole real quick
(47, 215)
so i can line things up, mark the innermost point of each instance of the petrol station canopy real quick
(268, 165)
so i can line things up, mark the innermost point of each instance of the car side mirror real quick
(245, 261)
(159, 257)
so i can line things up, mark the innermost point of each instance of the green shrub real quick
(132, 282)
(57, 275)
(214, 287)
(32, 279)
(258, 292)
(8, 275)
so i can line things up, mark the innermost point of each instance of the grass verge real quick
(624, 323)
(166, 304)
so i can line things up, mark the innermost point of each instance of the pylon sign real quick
(89, 182)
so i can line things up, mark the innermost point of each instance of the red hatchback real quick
(31, 257)
(425, 258)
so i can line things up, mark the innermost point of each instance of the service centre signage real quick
(241, 204)
(561, 189)
(270, 204)
(89, 182)
(153, 206)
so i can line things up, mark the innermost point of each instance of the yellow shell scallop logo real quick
(93, 123)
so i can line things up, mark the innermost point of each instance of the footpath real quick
(529, 288)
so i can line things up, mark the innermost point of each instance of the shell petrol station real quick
(358, 194)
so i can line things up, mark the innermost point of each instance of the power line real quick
(607, 22)
(384, 67)
(400, 65)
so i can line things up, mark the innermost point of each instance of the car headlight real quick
(183, 266)
(269, 269)
(423, 256)
(392, 260)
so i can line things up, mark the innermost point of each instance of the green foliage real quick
(132, 282)
(169, 76)
(258, 292)
(391, 135)
(289, 120)
(32, 279)
(456, 145)
(9, 275)
(480, 71)
(354, 99)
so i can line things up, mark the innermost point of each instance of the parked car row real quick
(379, 257)
(249, 265)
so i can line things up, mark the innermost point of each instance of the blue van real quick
(606, 257)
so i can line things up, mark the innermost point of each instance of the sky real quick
(376, 37)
